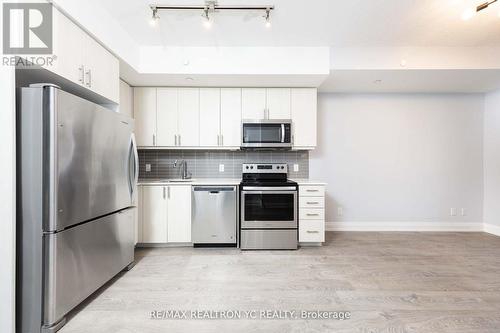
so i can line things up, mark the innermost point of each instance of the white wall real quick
(492, 160)
(7, 198)
(403, 158)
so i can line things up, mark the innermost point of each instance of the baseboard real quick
(406, 226)
(492, 229)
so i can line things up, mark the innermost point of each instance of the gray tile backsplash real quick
(205, 163)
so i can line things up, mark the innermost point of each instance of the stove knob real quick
(246, 167)
(251, 167)
(282, 167)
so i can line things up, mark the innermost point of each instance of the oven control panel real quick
(265, 168)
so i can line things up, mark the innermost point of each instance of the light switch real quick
(453, 212)
(295, 168)
(148, 167)
(221, 167)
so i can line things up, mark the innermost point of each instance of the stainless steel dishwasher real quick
(214, 216)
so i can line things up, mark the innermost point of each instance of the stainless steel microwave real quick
(268, 133)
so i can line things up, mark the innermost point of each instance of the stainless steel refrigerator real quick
(77, 174)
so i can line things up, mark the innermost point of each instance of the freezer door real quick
(81, 259)
(93, 149)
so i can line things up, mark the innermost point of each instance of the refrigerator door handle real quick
(135, 173)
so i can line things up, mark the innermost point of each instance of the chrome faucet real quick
(185, 174)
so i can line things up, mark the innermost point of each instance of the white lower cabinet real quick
(311, 214)
(164, 214)
(179, 214)
(154, 214)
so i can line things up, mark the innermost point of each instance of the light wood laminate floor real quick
(390, 282)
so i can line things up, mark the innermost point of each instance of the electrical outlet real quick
(295, 168)
(453, 212)
(340, 211)
(221, 167)
(463, 212)
(148, 167)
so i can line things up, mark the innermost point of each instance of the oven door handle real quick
(269, 189)
(269, 192)
(282, 133)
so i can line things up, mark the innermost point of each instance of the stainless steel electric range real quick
(268, 208)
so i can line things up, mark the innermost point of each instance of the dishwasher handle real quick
(214, 189)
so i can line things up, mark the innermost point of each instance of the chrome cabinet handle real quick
(312, 190)
(312, 203)
(154, 140)
(179, 139)
(82, 74)
(169, 192)
(164, 195)
(218, 140)
(222, 139)
(89, 78)
(309, 214)
(175, 138)
(312, 232)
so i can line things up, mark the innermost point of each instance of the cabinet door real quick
(154, 212)
(189, 117)
(126, 99)
(304, 116)
(210, 117)
(253, 103)
(230, 117)
(167, 118)
(145, 116)
(138, 215)
(102, 73)
(278, 103)
(68, 47)
(179, 214)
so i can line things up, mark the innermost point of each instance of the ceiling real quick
(412, 81)
(315, 23)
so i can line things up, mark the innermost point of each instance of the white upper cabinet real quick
(189, 117)
(304, 102)
(69, 48)
(211, 117)
(230, 117)
(154, 214)
(145, 116)
(210, 109)
(253, 103)
(167, 117)
(278, 103)
(101, 70)
(83, 60)
(179, 214)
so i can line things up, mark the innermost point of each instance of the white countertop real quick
(306, 181)
(218, 181)
(200, 181)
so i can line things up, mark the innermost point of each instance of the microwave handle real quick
(282, 133)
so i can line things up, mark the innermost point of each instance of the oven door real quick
(268, 208)
(266, 134)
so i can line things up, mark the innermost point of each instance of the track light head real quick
(485, 5)
(267, 17)
(155, 17)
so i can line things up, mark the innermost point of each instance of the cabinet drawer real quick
(311, 191)
(311, 231)
(311, 202)
(312, 214)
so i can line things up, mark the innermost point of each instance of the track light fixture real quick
(485, 5)
(212, 7)
(155, 17)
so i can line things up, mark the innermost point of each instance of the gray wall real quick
(205, 163)
(400, 157)
(492, 159)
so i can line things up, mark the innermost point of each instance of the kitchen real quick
(219, 166)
